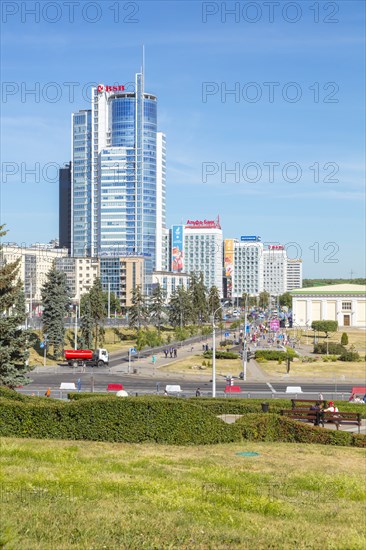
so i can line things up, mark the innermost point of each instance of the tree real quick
(198, 296)
(325, 326)
(214, 302)
(285, 299)
(344, 339)
(14, 340)
(137, 312)
(180, 307)
(114, 303)
(97, 312)
(264, 299)
(156, 306)
(86, 324)
(56, 302)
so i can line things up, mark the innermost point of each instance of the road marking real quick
(271, 387)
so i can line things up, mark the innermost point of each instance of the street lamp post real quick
(76, 328)
(245, 352)
(214, 351)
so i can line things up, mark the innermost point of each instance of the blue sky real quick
(322, 135)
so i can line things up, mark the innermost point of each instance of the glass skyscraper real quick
(118, 179)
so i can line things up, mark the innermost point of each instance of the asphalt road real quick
(136, 383)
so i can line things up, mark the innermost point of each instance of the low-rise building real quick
(345, 303)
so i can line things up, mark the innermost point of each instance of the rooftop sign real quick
(102, 88)
(204, 224)
(252, 238)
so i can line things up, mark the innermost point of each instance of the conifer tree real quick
(56, 302)
(14, 339)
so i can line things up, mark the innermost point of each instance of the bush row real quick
(230, 405)
(221, 354)
(333, 348)
(131, 420)
(274, 355)
(272, 427)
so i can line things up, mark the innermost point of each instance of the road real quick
(135, 383)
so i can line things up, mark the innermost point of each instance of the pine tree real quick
(56, 302)
(180, 308)
(156, 306)
(137, 312)
(198, 294)
(14, 340)
(86, 325)
(97, 307)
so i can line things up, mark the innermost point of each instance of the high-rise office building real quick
(64, 221)
(243, 267)
(118, 177)
(294, 274)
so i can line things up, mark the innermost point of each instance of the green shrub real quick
(133, 420)
(7, 393)
(350, 356)
(226, 343)
(221, 354)
(273, 355)
(333, 348)
(344, 339)
(329, 358)
(272, 427)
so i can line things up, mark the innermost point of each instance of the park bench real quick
(294, 402)
(304, 415)
(342, 418)
(115, 387)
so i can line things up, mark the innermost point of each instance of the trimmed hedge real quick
(229, 405)
(272, 355)
(350, 356)
(221, 354)
(333, 348)
(130, 420)
(271, 427)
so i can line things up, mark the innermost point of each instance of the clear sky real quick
(292, 132)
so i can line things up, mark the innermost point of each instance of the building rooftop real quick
(331, 289)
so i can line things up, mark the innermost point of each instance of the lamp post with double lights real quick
(214, 350)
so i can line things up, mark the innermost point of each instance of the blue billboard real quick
(177, 249)
(252, 238)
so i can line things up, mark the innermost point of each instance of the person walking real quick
(48, 392)
(198, 392)
(78, 383)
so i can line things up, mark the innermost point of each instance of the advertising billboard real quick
(249, 238)
(229, 266)
(177, 249)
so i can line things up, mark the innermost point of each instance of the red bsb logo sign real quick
(102, 88)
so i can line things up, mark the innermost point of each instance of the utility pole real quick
(109, 300)
(76, 328)
(245, 340)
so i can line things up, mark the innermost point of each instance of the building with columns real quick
(345, 303)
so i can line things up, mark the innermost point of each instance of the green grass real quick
(89, 495)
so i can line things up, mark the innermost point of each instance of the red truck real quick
(87, 357)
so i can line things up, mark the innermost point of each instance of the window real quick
(346, 306)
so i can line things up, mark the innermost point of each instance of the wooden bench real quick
(323, 402)
(342, 418)
(304, 415)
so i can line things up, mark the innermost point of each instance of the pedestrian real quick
(78, 384)
(175, 352)
(166, 353)
(191, 349)
(198, 392)
(165, 393)
(157, 387)
(171, 352)
(48, 392)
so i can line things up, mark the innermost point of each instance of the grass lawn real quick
(88, 495)
(186, 366)
(357, 338)
(338, 369)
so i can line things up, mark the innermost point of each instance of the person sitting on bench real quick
(316, 407)
(332, 408)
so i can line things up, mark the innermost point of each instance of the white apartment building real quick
(170, 282)
(201, 251)
(35, 263)
(294, 274)
(275, 270)
(243, 267)
(80, 274)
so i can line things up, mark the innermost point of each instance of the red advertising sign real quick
(275, 247)
(102, 88)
